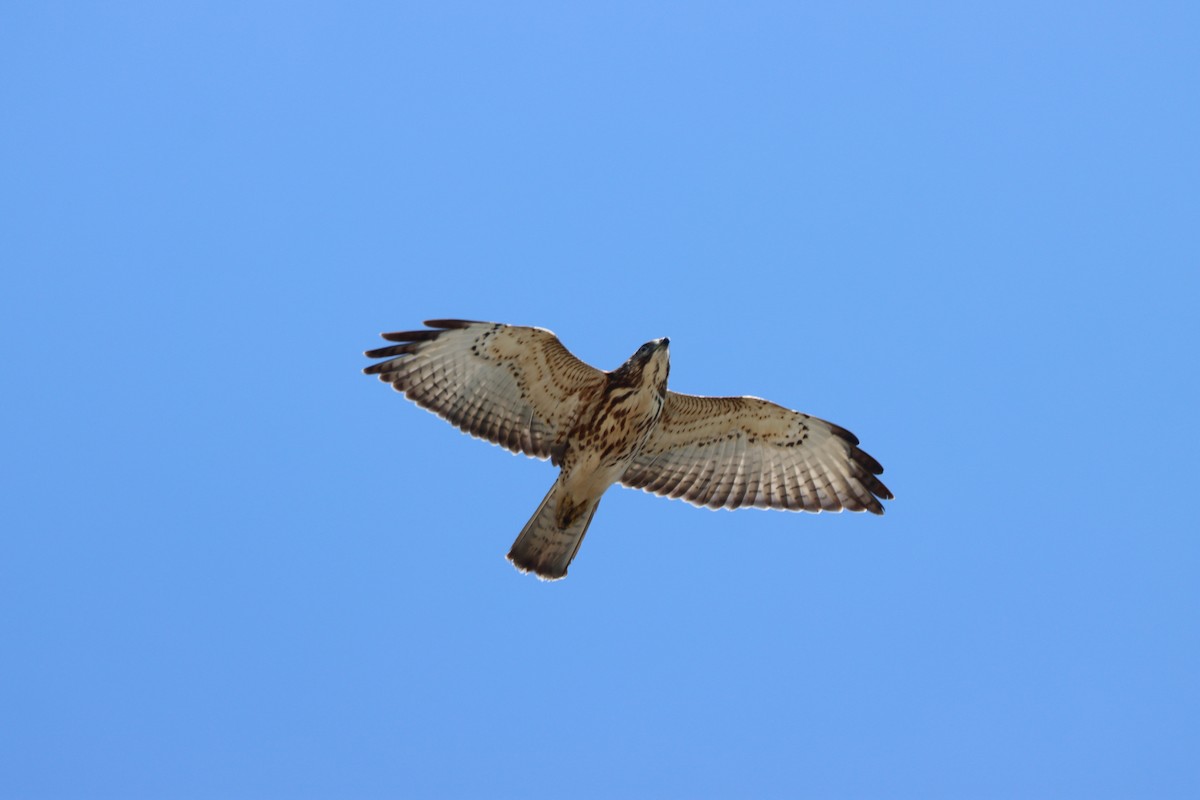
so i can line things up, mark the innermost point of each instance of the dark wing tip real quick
(876, 487)
(870, 468)
(381, 368)
(411, 336)
(842, 433)
(391, 351)
(453, 324)
(436, 328)
(872, 505)
(409, 343)
(864, 460)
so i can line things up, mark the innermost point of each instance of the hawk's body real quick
(520, 388)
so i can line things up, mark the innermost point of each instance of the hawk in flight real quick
(521, 389)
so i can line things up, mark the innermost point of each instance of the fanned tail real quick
(543, 547)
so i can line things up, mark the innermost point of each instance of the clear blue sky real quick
(233, 566)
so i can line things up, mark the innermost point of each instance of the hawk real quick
(518, 387)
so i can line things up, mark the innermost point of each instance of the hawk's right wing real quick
(731, 452)
(514, 386)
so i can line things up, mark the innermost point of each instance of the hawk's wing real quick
(729, 452)
(517, 387)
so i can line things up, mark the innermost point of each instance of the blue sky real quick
(233, 566)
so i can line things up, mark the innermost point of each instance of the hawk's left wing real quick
(730, 452)
(517, 387)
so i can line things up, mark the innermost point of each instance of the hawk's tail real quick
(546, 548)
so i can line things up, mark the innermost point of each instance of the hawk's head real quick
(649, 366)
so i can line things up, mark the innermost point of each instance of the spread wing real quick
(729, 452)
(517, 387)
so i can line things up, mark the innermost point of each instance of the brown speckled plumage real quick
(520, 388)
